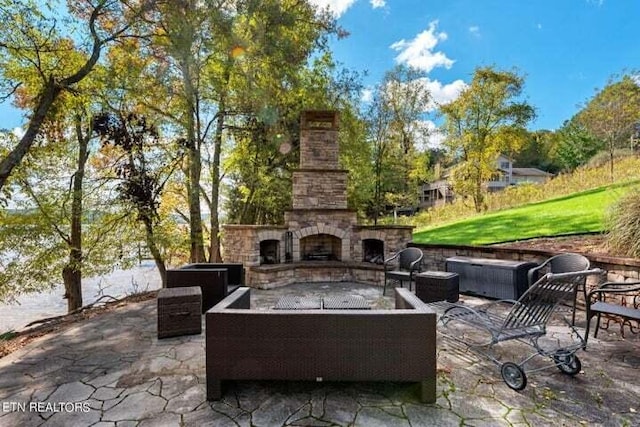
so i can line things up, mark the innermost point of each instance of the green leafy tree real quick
(227, 67)
(63, 223)
(265, 151)
(575, 145)
(398, 139)
(142, 169)
(487, 119)
(36, 54)
(613, 114)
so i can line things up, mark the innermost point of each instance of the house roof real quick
(529, 172)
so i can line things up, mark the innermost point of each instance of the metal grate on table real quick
(298, 303)
(348, 302)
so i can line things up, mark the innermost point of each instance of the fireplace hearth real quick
(320, 239)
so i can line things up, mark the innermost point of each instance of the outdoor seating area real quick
(115, 363)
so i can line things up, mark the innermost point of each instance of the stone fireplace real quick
(321, 239)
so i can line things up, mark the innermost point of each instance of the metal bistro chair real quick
(525, 321)
(409, 263)
(563, 263)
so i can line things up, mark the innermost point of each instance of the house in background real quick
(436, 193)
(439, 192)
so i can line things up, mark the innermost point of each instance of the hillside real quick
(583, 179)
(573, 213)
(577, 213)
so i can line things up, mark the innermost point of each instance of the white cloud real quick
(366, 95)
(337, 7)
(418, 53)
(475, 30)
(19, 132)
(442, 93)
(377, 3)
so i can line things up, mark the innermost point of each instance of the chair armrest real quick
(416, 265)
(388, 260)
(532, 274)
(613, 288)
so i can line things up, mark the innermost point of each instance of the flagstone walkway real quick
(111, 370)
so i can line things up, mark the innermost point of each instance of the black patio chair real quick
(563, 263)
(409, 262)
(618, 301)
(524, 320)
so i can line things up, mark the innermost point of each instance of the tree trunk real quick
(49, 94)
(214, 248)
(153, 248)
(72, 272)
(478, 198)
(611, 155)
(72, 278)
(195, 215)
(195, 167)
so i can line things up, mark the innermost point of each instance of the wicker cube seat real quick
(179, 311)
(434, 286)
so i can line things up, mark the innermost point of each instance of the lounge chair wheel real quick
(568, 363)
(513, 375)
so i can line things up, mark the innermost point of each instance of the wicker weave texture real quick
(179, 311)
(212, 283)
(321, 345)
(433, 286)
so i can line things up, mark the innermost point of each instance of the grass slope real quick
(577, 213)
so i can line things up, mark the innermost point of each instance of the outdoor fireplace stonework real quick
(321, 240)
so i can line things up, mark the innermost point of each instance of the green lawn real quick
(578, 213)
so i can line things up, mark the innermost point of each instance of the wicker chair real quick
(409, 263)
(563, 263)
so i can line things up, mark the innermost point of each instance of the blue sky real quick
(566, 49)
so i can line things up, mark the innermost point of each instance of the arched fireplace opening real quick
(321, 247)
(373, 251)
(270, 251)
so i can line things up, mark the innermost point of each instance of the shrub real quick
(624, 232)
(603, 158)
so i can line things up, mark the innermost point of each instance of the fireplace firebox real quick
(270, 252)
(373, 251)
(321, 247)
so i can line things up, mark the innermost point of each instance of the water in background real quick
(118, 284)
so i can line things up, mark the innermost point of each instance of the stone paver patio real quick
(111, 370)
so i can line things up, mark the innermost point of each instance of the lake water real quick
(118, 284)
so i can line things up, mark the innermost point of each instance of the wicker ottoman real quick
(179, 311)
(432, 286)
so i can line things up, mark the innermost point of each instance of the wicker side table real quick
(432, 286)
(179, 311)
